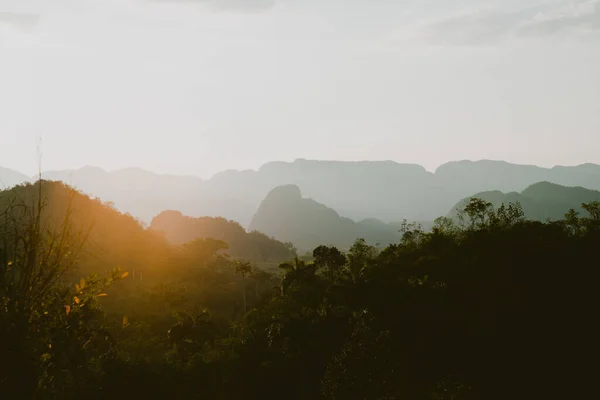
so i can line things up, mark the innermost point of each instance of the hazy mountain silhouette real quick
(541, 201)
(145, 194)
(384, 190)
(10, 178)
(287, 216)
(471, 177)
(253, 246)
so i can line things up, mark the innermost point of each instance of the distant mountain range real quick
(10, 178)
(287, 216)
(385, 190)
(541, 201)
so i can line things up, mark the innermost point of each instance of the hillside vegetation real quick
(540, 202)
(112, 239)
(253, 246)
(496, 307)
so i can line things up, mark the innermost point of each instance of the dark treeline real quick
(493, 306)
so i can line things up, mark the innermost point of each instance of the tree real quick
(443, 225)
(359, 257)
(478, 211)
(295, 272)
(331, 260)
(50, 331)
(507, 216)
(593, 208)
(244, 269)
(572, 222)
(411, 232)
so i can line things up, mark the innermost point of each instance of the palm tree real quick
(244, 268)
(295, 271)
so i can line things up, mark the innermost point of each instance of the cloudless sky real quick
(198, 86)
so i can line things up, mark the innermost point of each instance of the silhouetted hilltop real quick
(113, 239)
(384, 190)
(253, 246)
(545, 191)
(540, 201)
(287, 216)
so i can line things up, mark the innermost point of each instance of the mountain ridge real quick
(541, 201)
(386, 190)
(288, 216)
(590, 165)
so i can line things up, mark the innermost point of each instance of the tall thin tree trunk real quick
(245, 308)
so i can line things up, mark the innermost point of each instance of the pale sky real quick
(198, 86)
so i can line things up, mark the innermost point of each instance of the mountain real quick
(287, 216)
(145, 194)
(252, 246)
(384, 190)
(540, 201)
(346, 186)
(390, 191)
(112, 239)
(470, 177)
(10, 178)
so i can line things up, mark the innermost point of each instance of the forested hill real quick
(384, 190)
(541, 201)
(117, 239)
(498, 308)
(287, 216)
(253, 246)
(110, 238)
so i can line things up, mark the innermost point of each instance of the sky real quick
(198, 86)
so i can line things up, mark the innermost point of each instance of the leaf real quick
(102, 295)
(68, 309)
(77, 288)
(10, 263)
(76, 299)
(81, 283)
(124, 275)
(125, 321)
